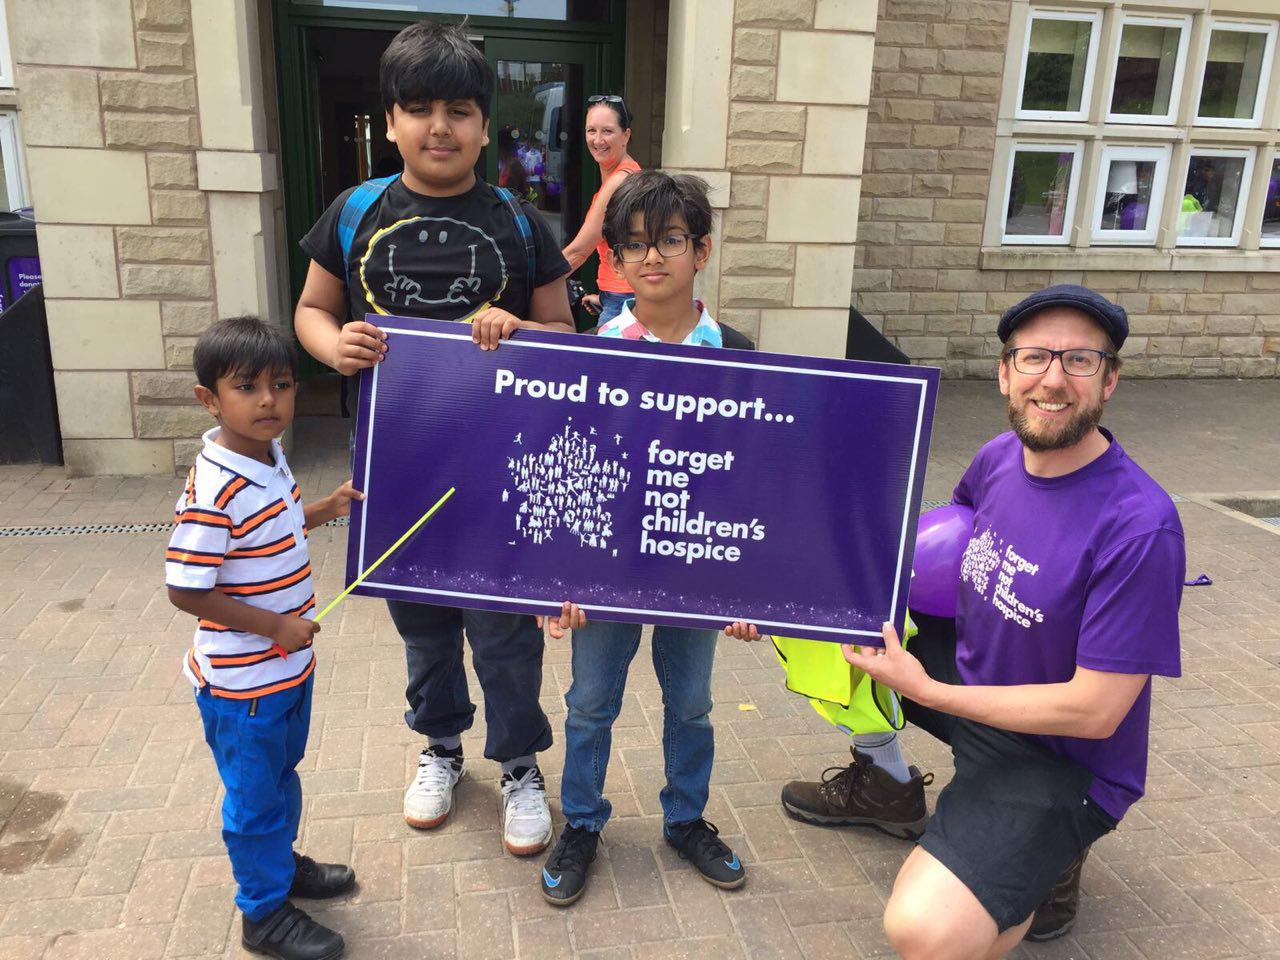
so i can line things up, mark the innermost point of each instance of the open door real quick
(536, 147)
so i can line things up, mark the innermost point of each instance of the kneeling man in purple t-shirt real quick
(1068, 605)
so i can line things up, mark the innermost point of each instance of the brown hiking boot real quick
(861, 794)
(1054, 917)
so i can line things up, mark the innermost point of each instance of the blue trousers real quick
(611, 305)
(682, 659)
(257, 745)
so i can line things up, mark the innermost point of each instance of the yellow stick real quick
(390, 550)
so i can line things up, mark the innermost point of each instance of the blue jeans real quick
(611, 305)
(257, 744)
(682, 659)
(506, 651)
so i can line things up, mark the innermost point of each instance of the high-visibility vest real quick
(842, 694)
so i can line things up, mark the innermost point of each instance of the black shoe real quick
(699, 842)
(1055, 917)
(861, 794)
(317, 881)
(289, 934)
(565, 875)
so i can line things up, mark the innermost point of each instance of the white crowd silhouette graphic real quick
(566, 486)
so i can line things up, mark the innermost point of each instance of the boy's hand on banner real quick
(493, 326)
(893, 666)
(340, 500)
(294, 633)
(360, 345)
(740, 630)
(572, 617)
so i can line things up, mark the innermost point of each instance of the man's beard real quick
(1081, 423)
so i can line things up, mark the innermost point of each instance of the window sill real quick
(1129, 259)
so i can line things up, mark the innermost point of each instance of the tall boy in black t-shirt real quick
(438, 242)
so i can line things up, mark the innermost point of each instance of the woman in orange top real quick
(608, 133)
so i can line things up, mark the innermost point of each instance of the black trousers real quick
(506, 651)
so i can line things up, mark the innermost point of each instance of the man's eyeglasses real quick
(604, 98)
(1075, 363)
(672, 245)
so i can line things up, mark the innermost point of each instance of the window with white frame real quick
(1271, 208)
(13, 191)
(1058, 65)
(1237, 69)
(1213, 197)
(6, 61)
(1040, 194)
(1147, 77)
(1130, 194)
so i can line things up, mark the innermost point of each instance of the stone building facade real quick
(930, 268)
(146, 136)
(857, 152)
(153, 151)
(783, 151)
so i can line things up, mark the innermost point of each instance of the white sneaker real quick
(526, 818)
(429, 798)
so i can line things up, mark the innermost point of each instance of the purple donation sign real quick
(24, 273)
(650, 483)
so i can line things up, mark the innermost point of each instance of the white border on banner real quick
(708, 361)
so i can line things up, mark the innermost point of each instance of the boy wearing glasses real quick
(1068, 604)
(658, 230)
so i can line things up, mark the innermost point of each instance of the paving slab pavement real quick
(109, 803)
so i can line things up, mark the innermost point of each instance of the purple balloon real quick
(941, 539)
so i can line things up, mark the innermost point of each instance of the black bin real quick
(28, 406)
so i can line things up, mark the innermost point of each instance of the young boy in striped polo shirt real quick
(238, 562)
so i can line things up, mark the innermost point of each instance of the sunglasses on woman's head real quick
(604, 98)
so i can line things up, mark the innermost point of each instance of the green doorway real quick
(548, 55)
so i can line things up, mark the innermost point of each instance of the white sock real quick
(527, 761)
(884, 751)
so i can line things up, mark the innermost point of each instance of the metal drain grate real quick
(99, 529)
(1272, 521)
(91, 529)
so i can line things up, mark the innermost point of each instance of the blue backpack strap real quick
(353, 213)
(525, 229)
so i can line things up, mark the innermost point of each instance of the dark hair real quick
(619, 108)
(657, 197)
(433, 61)
(242, 345)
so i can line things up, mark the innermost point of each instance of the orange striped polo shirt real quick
(239, 529)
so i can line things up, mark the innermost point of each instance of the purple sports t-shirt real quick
(1084, 569)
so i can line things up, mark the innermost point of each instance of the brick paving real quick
(109, 843)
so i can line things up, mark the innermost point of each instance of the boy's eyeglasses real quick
(672, 245)
(1075, 363)
(604, 98)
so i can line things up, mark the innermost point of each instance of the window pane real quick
(518, 9)
(1038, 194)
(1212, 197)
(1271, 206)
(6, 202)
(1232, 74)
(1056, 61)
(1144, 71)
(1127, 202)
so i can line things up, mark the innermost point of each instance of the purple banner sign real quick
(648, 483)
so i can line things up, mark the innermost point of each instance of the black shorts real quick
(1015, 815)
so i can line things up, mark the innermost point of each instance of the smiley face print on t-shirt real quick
(432, 266)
